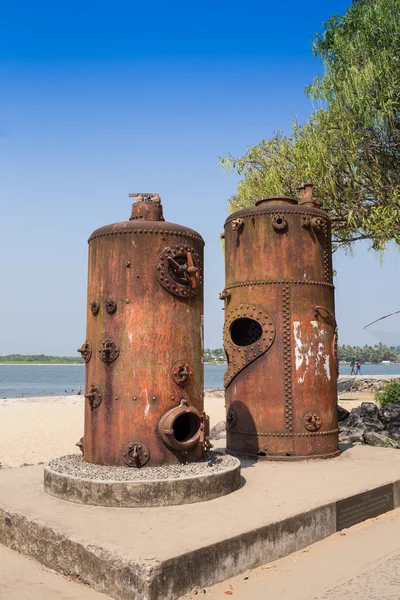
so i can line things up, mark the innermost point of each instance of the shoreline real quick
(31, 364)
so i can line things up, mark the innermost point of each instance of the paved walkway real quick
(361, 563)
(24, 579)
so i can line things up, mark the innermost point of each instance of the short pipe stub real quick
(180, 427)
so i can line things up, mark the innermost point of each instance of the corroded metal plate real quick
(249, 332)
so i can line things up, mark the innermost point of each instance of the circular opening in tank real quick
(279, 220)
(185, 427)
(245, 331)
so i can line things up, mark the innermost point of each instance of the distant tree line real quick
(372, 354)
(40, 359)
(215, 357)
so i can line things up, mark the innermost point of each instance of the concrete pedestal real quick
(161, 553)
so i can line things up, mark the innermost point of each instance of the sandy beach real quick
(35, 430)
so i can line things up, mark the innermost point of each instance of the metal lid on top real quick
(146, 217)
(276, 200)
(147, 207)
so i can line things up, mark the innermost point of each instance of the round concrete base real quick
(214, 478)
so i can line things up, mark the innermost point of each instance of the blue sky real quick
(100, 99)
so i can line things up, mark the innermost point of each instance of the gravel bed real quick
(74, 465)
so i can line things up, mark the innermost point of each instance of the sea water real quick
(18, 381)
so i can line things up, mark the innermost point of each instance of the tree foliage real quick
(390, 394)
(350, 146)
(372, 354)
(40, 359)
(216, 356)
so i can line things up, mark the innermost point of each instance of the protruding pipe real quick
(306, 195)
(147, 207)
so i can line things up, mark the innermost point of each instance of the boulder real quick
(373, 438)
(372, 425)
(354, 419)
(218, 431)
(393, 431)
(365, 417)
(368, 410)
(343, 425)
(351, 435)
(344, 384)
(342, 413)
(390, 413)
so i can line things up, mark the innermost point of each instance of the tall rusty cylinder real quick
(280, 332)
(144, 348)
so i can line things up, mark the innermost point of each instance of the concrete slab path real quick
(360, 563)
(22, 578)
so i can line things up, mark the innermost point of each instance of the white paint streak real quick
(327, 367)
(298, 345)
(310, 351)
(130, 336)
(147, 407)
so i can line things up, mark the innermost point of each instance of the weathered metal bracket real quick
(94, 396)
(239, 356)
(237, 224)
(224, 295)
(86, 351)
(111, 305)
(95, 307)
(135, 454)
(230, 418)
(316, 223)
(109, 351)
(278, 221)
(181, 373)
(80, 445)
(312, 421)
(205, 433)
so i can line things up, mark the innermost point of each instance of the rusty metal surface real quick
(144, 381)
(280, 332)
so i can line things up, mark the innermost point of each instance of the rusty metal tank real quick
(280, 331)
(144, 346)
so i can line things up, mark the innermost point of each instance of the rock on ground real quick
(218, 431)
(379, 439)
(369, 425)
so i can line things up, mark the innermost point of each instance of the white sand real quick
(35, 430)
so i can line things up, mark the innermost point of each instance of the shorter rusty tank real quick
(144, 342)
(280, 331)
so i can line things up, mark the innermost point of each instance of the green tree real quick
(350, 146)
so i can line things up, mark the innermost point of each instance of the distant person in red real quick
(352, 367)
(358, 368)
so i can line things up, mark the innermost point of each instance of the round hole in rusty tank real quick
(186, 426)
(245, 331)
